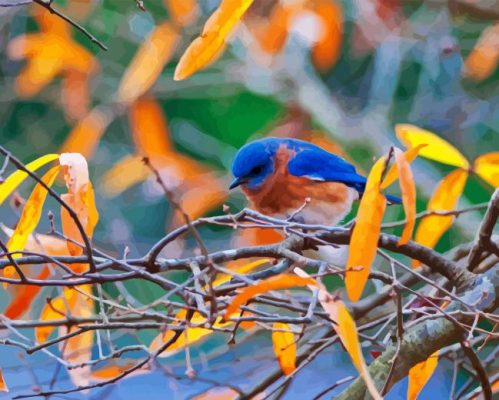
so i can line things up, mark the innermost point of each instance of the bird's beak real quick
(236, 182)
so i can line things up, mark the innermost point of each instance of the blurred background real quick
(339, 73)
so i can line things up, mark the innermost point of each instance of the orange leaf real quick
(444, 198)
(486, 167)
(284, 343)
(420, 374)
(328, 47)
(85, 136)
(393, 173)
(365, 235)
(75, 95)
(484, 58)
(147, 64)
(205, 48)
(437, 148)
(149, 128)
(53, 311)
(283, 281)
(408, 189)
(183, 12)
(16, 178)
(127, 172)
(242, 268)
(3, 385)
(345, 327)
(113, 369)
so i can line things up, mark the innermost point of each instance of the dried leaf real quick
(420, 374)
(437, 148)
(365, 235)
(206, 47)
(326, 51)
(486, 167)
(3, 385)
(345, 327)
(16, 178)
(444, 198)
(408, 190)
(283, 281)
(484, 58)
(283, 340)
(147, 64)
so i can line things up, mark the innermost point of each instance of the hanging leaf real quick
(85, 136)
(486, 167)
(344, 325)
(484, 58)
(279, 282)
(437, 148)
(393, 173)
(205, 48)
(56, 310)
(284, 343)
(408, 190)
(16, 178)
(365, 235)
(327, 50)
(147, 64)
(75, 95)
(420, 374)
(444, 198)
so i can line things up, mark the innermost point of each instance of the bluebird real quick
(279, 175)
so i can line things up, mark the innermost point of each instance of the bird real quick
(283, 177)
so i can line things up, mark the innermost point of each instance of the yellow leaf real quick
(3, 385)
(487, 167)
(437, 148)
(56, 310)
(328, 47)
(284, 343)
(444, 198)
(147, 64)
(127, 172)
(484, 58)
(85, 136)
(16, 178)
(408, 190)
(365, 235)
(206, 47)
(420, 374)
(32, 212)
(344, 325)
(393, 173)
(283, 281)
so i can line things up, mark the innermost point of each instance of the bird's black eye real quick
(257, 170)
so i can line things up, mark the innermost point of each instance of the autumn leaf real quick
(205, 48)
(283, 281)
(16, 178)
(484, 58)
(240, 268)
(393, 172)
(283, 340)
(53, 310)
(486, 167)
(420, 374)
(437, 149)
(408, 190)
(115, 368)
(345, 327)
(147, 64)
(326, 50)
(444, 198)
(3, 385)
(75, 95)
(182, 12)
(86, 134)
(365, 235)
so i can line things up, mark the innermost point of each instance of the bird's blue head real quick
(254, 163)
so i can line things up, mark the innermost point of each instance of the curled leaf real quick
(205, 48)
(283, 281)
(393, 173)
(365, 235)
(283, 340)
(437, 148)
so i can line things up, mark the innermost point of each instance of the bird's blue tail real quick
(393, 199)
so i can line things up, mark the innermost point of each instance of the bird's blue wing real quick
(319, 165)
